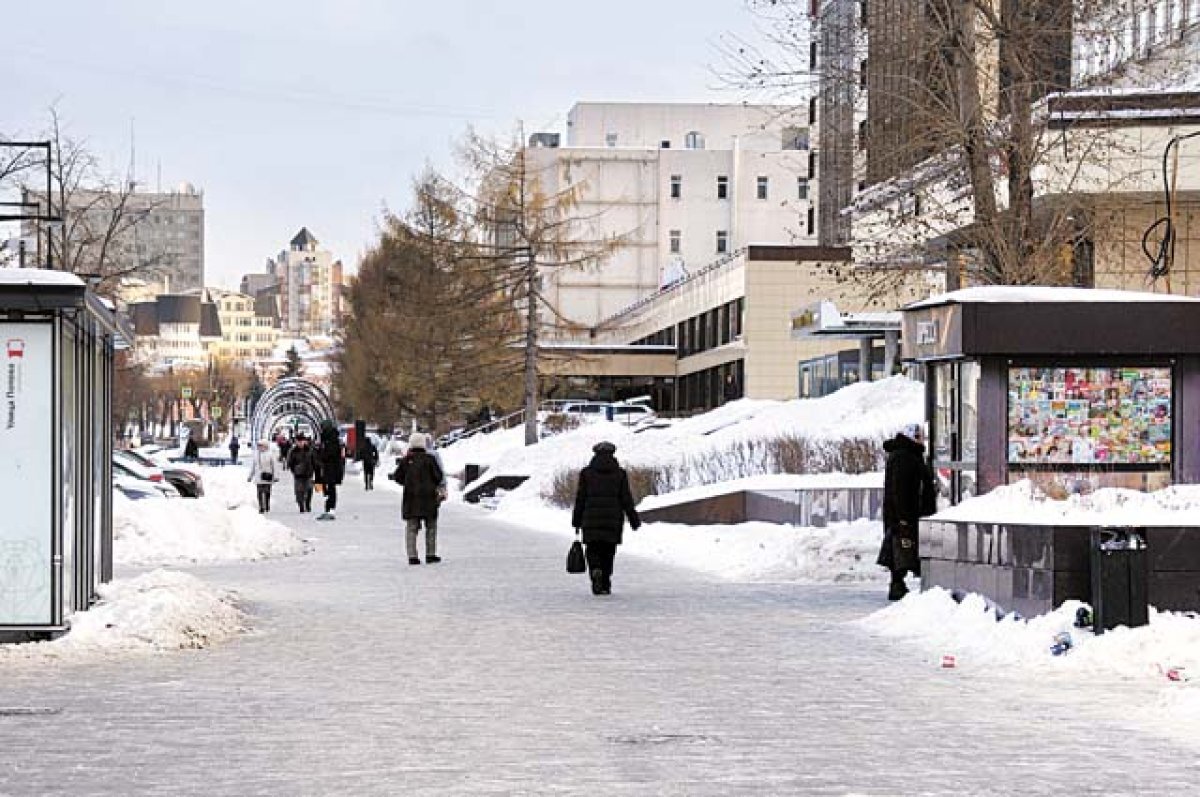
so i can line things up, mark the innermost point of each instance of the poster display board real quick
(1089, 416)
(26, 438)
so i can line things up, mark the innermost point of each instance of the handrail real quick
(724, 260)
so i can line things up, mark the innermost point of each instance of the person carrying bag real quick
(262, 472)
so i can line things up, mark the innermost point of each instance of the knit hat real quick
(418, 440)
(914, 431)
(604, 447)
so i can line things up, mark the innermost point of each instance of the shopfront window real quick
(955, 433)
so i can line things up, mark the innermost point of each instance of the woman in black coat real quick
(602, 503)
(421, 477)
(908, 496)
(331, 467)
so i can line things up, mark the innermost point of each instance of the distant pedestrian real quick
(908, 496)
(191, 451)
(730, 389)
(234, 447)
(603, 501)
(262, 472)
(369, 455)
(300, 462)
(421, 477)
(331, 467)
(284, 444)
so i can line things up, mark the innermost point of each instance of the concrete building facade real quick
(249, 328)
(310, 284)
(680, 185)
(175, 331)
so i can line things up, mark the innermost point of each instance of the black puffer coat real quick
(419, 474)
(603, 501)
(908, 496)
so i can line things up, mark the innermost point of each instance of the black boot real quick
(897, 589)
(597, 581)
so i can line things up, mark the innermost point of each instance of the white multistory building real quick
(679, 186)
(309, 281)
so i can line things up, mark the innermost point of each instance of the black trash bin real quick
(1120, 576)
(470, 475)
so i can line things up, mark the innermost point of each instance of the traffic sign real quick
(185, 392)
(216, 412)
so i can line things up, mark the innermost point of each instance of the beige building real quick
(310, 285)
(742, 320)
(249, 327)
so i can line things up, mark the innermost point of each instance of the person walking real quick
(331, 467)
(284, 444)
(603, 501)
(908, 496)
(191, 451)
(421, 477)
(369, 455)
(234, 447)
(262, 472)
(300, 462)
(730, 390)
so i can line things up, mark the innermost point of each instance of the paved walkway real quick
(496, 673)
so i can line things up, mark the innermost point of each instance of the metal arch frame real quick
(290, 396)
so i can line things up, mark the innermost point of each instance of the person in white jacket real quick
(263, 473)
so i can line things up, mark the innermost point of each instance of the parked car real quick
(125, 468)
(135, 489)
(186, 479)
(629, 413)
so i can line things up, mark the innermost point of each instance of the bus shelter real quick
(59, 340)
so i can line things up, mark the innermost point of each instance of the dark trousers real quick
(369, 478)
(600, 557)
(233, 456)
(264, 497)
(330, 497)
(304, 491)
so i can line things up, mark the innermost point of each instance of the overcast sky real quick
(317, 113)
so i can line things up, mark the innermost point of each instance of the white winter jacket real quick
(264, 463)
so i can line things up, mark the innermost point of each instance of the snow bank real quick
(1022, 502)
(939, 626)
(864, 410)
(223, 526)
(744, 552)
(157, 611)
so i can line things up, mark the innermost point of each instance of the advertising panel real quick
(25, 475)
(1089, 416)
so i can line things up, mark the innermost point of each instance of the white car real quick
(128, 469)
(135, 489)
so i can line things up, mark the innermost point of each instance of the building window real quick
(722, 187)
(812, 220)
(862, 13)
(812, 110)
(676, 241)
(812, 56)
(862, 74)
(801, 188)
(761, 188)
(722, 242)
(862, 134)
(676, 186)
(664, 144)
(693, 140)
(795, 138)
(610, 139)
(812, 165)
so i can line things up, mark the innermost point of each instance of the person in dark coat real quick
(369, 455)
(908, 496)
(191, 451)
(331, 467)
(603, 501)
(300, 462)
(420, 476)
(234, 447)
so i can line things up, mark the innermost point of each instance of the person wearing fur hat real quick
(908, 496)
(603, 501)
(420, 476)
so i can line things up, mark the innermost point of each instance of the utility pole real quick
(531, 343)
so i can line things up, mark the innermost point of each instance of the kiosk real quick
(1074, 389)
(58, 343)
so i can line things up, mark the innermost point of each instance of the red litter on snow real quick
(948, 662)
(1177, 674)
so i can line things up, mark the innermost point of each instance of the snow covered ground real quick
(1022, 502)
(223, 526)
(153, 612)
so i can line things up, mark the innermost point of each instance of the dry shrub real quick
(643, 481)
(561, 490)
(559, 422)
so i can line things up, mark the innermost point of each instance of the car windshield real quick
(138, 457)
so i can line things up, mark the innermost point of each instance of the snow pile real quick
(157, 611)
(970, 632)
(864, 410)
(223, 526)
(1021, 502)
(762, 484)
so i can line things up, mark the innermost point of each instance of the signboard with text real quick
(26, 438)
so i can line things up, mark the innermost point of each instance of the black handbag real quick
(576, 561)
(267, 477)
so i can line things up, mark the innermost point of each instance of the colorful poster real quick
(1089, 416)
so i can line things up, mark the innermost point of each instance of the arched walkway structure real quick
(291, 401)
